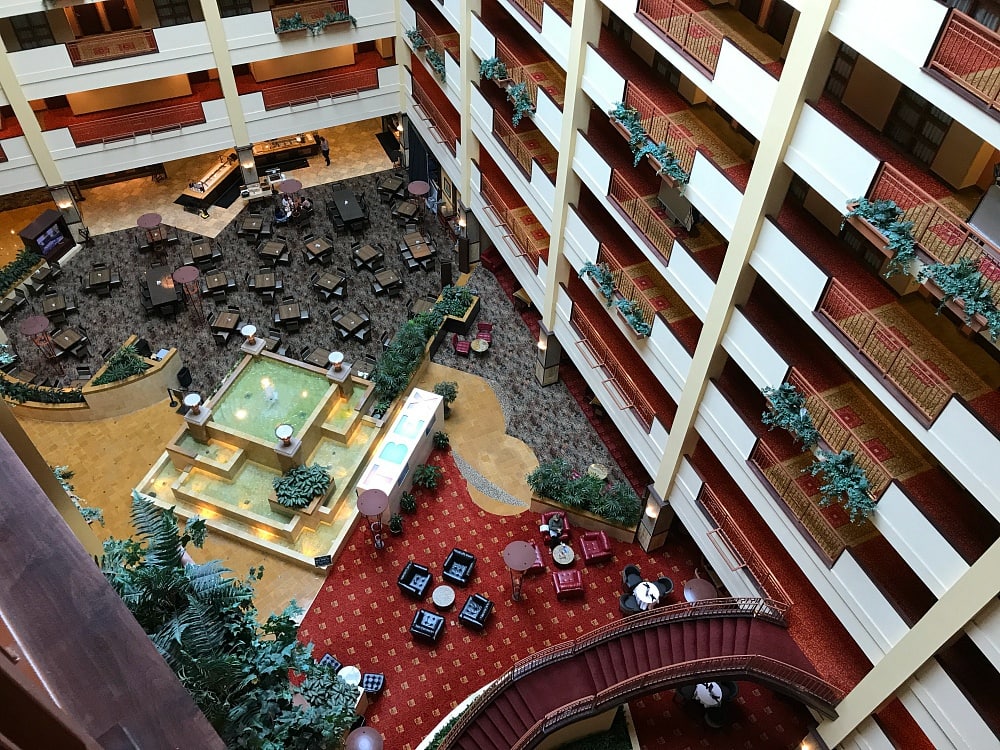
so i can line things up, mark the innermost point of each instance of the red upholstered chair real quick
(460, 345)
(568, 584)
(596, 547)
(539, 565)
(564, 536)
(484, 331)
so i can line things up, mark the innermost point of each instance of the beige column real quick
(977, 588)
(765, 189)
(28, 121)
(224, 64)
(585, 29)
(470, 74)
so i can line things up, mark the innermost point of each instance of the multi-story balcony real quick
(534, 9)
(434, 42)
(524, 142)
(434, 108)
(698, 28)
(522, 233)
(967, 55)
(436, 31)
(314, 15)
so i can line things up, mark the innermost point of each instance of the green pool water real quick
(268, 393)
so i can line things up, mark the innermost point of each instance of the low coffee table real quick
(443, 596)
(563, 555)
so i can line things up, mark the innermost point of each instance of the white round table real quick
(193, 402)
(647, 594)
(249, 331)
(443, 596)
(351, 675)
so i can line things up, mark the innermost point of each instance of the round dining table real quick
(696, 589)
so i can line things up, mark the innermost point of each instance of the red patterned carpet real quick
(360, 617)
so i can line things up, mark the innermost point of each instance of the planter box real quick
(869, 232)
(583, 519)
(956, 307)
(663, 175)
(306, 511)
(628, 325)
(592, 282)
(464, 324)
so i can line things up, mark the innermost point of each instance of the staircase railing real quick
(653, 226)
(968, 54)
(798, 502)
(686, 28)
(814, 689)
(661, 127)
(886, 351)
(325, 87)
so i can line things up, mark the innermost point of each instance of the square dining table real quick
(264, 282)
(54, 303)
(350, 322)
(366, 253)
(99, 276)
(329, 281)
(67, 338)
(7, 304)
(214, 281)
(252, 224)
(388, 278)
(225, 321)
(272, 249)
(289, 311)
(347, 205)
(160, 283)
(201, 251)
(319, 357)
(407, 209)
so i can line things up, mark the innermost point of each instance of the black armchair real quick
(475, 612)
(631, 577)
(427, 626)
(415, 580)
(458, 567)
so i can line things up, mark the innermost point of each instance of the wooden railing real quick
(532, 9)
(620, 383)
(316, 89)
(123, 127)
(810, 688)
(512, 140)
(434, 41)
(938, 231)
(785, 484)
(968, 54)
(114, 46)
(523, 245)
(436, 119)
(651, 224)
(739, 546)
(683, 26)
(624, 284)
(661, 128)
(884, 349)
(515, 71)
(310, 11)
(839, 436)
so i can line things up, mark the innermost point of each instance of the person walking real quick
(324, 148)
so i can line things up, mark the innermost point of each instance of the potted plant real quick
(408, 502)
(872, 218)
(788, 411)
(441, 440)
(963, 292)
(395, 524)
(447, 390)
(600, 274)
(519, 97)
(436, 61)
(844, 482)
(493, 68)
(416, 38)
(632, 312)
(301, 489)
(427, 475)
(902, 247)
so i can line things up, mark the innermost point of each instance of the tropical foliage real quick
(558, 481)
(427, 475)
(886, 217)
(408, 502)
(124, 363)
(447, 390)
(642, 145)
(7, 355)
(519, 97)
(18, 270)
(64, 474)
(297, 23)
(18, 391)
(205, 626)
(634, 315)
(493, 68)
(441, 440)
(436, 61)
(300, 484)
(455, 301)
(964, 281)
(601, 274)
(844, 482)
(788, 412)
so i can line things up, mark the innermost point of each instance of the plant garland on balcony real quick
(518, 96)
(123, 364)
(845, 482)
(436, 61)
(879, 213)
(296, 22)
(634, 316)
(964, 281)
(668, 162)
(787, 410)
(601, 274)
(416, 38)
(887, 218)
(493, 69)
(631, 120)
(17, 270)
(300, 484)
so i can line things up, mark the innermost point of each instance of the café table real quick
(421, 305)
(225, 321)
(252, 224)
(407, 209)
(350, 322)
(366, 253)
(24, 375)
(272, 249)
(201, 251)
(41, 277)
(418, 188)
(479, 346)
(99, 277)
(647, 594)
(160, 283)
(67, 338)
(329, 281)
(319, 357)
(696, 589)
(215, 281)
(8, 305)
(388, 278)
(391, 184)
(347, 205)
(318, 247)
(423, 251)
(54, 303)
(264, 282)
(289, 311)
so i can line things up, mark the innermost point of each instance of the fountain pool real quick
(268, 393)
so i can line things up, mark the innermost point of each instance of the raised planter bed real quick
(869, 232)
(583, 519)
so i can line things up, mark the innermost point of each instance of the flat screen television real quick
(48, 235)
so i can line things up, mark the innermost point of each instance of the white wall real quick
(737, 74)
(751, 351)
(19, 172)
(548, 118)
(943, 712)
(482, 41)
(603, 84)
(713, 195)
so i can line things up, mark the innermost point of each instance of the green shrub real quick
(300, 484)
(408, 502)
(844, 482)
(788, 411)
(493, 68)
(427, 475)
(123, 364)
(18, 391)
(441, 440)
(17, 270)
(557, 481)
(601, 274)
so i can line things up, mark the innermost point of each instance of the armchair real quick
(475, 612)
(547, 520)
(458, 567)
(427, 626)
(415, 580)
(596, 547)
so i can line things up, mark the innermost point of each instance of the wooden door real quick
(88, 18)
(118, 15)
(779, 21)
(751, 9)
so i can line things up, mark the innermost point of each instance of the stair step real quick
(605, 657)
(513, 712)
(616, 660)
(634, 662)
(641, 652)
(484, 740)
(496, 719)
(716, 642)
(523, 707)
(653, 648)
(593, 660)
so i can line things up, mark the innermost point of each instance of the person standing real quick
(324, 148)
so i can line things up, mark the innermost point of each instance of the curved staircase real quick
(642, 654)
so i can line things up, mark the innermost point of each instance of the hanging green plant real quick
(633, 313)
(904, 247)
(879, 213)
(436, 61)
(602, 276)
(416, 38)
(631, 120)
(300, 484)
(518, 96)
(123, 364)
(963, 281)
(788, 411)
(844, 482)
(494, 69)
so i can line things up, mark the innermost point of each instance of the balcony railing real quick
(737, 545)
(3, 156)
(624, 283)
(688, 30)
(517, 237)
(939, 232)
(531, 8)
(310, 12)
(512, 140)
(968, 54)
(124, 127)
(623, 390)
(661, 128)
(897, 362)
(654, 226)
(435, 41)
(839, 436)
(115, 46)
(327, 87)
(801, 506)
(516, 72)
(443, 132)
